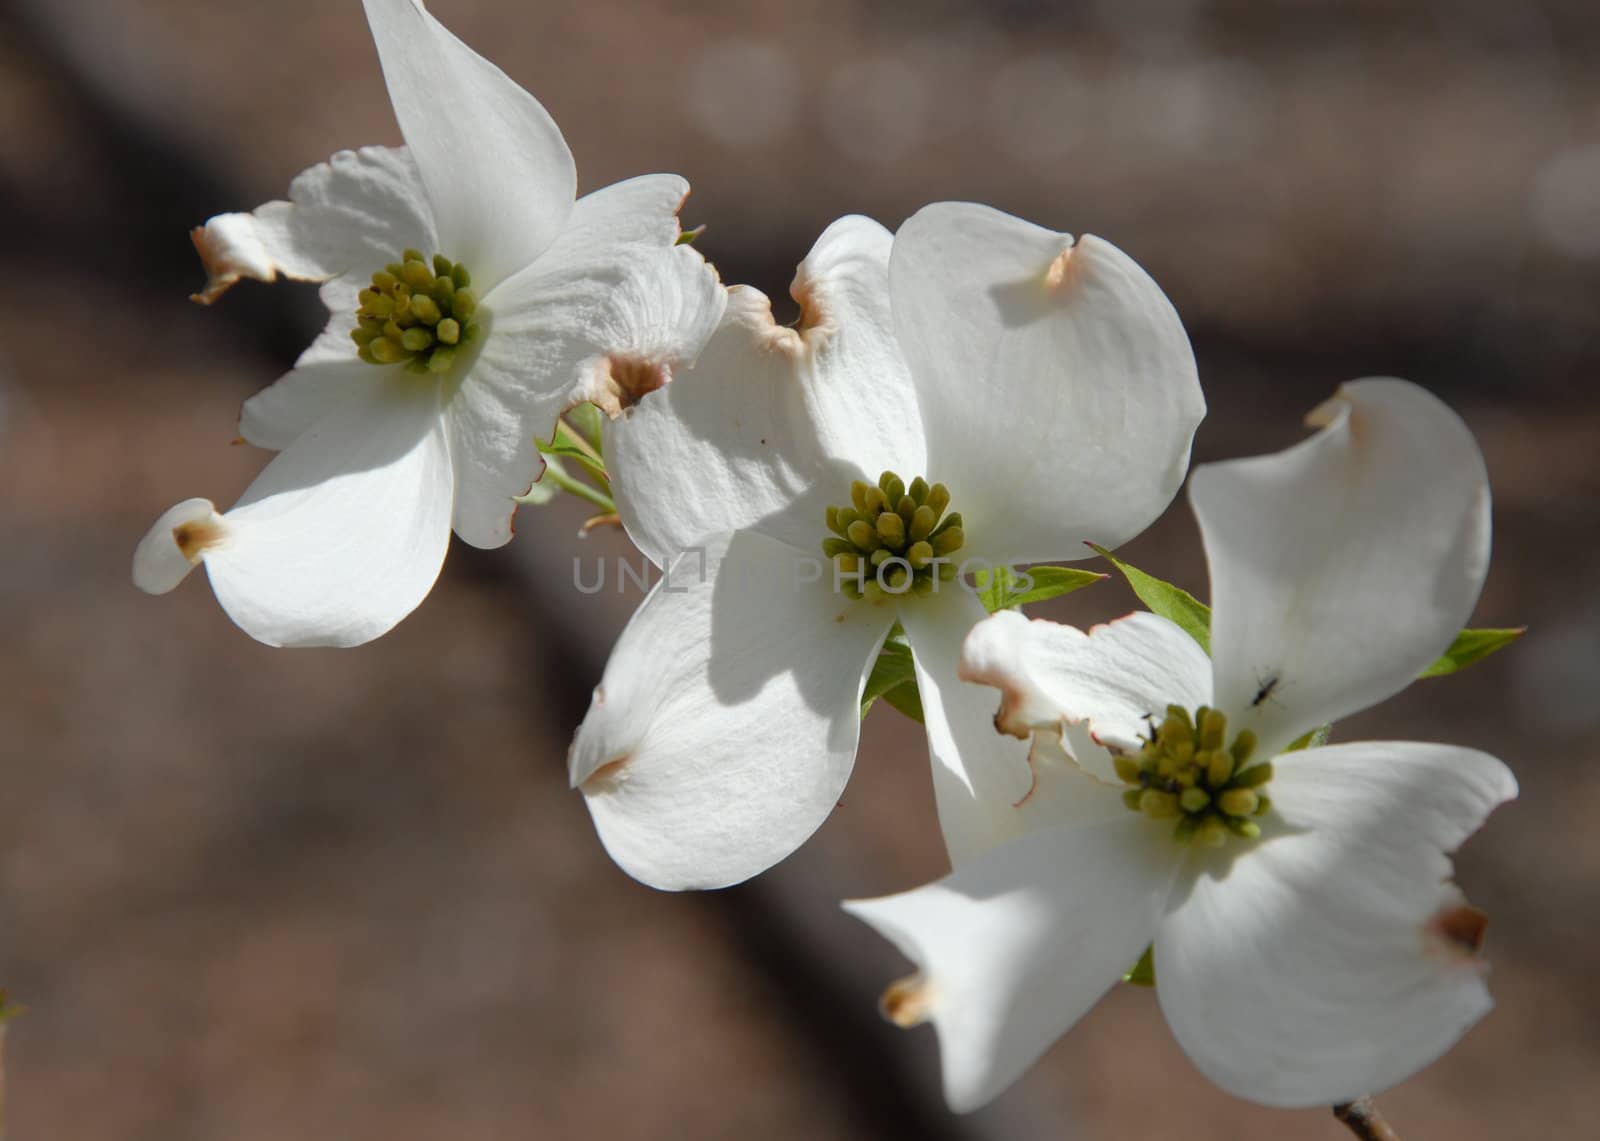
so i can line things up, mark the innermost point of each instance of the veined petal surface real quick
(1343, 566)
(773, 424)
(350, 215)
(344, 532)
(858, 389)
(612, 310)
(727, 445)
(499, 176)
(1018, 944)
(726, 723)
(1319, 965)
(1058, 390)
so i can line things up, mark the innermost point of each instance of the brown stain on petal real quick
(907, 1002)
(1458, 931)
(813, 311)
(620, 382)
(1059, 273)
(607, 778)
(222, 271)
(197, 537)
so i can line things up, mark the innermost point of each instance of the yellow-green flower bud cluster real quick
(416, 314)
(1188, 774)
(894, 538)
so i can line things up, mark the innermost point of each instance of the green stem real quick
(582, 490)
(594, 463)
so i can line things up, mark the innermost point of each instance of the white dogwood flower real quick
(1308, 945)
(974, 390)
(472, 300)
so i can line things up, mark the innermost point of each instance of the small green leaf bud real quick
(1211, 832)
(863, 535)
(1158, 805)
(892, 530)
(416, 340)
(1194, 799)
(448, 331)
(948, 541)
(1255, 776)
(426, 309)
(1238, 802)
(1127, 767)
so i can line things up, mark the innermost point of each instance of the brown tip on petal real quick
(1458, 931)
(221, 274)
(620, 382)
(813, 310)
(1059, 274)
(1326, 414)
(197, 537)
(1007, 719)
(1033, 773)
(906, 1002)
(607, 778)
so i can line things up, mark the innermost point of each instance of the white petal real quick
(1315, 969)
(1058, 389)
(727, 445)
(350, 215)
(1017, 945)
(772, 424)
(859, 392)
(1073, 782)
(726, 723)
(613, 303)
(173, 545)
(1344, 566)
(499, 175)
(344, 532)
(1111, 678)
(279, 414)
(979, 776)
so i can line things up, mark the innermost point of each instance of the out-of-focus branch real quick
(1362, 1118)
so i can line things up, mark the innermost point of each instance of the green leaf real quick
(1472, 646)
(1171, 602)
(689, 237)
(561, 447)
(1053, 582)
(1144, 971)
(588, 421)
(1004, 589)
(1312, 740)
(993, 586)
(907, 700)
(894, 678)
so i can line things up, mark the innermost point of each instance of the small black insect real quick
(1266, 690)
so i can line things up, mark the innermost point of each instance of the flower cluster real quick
(967, 395)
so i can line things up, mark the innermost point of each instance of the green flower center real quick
(416, 314)
(893, 538)
(1187, 773)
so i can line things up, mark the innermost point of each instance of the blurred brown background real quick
(255, 894)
